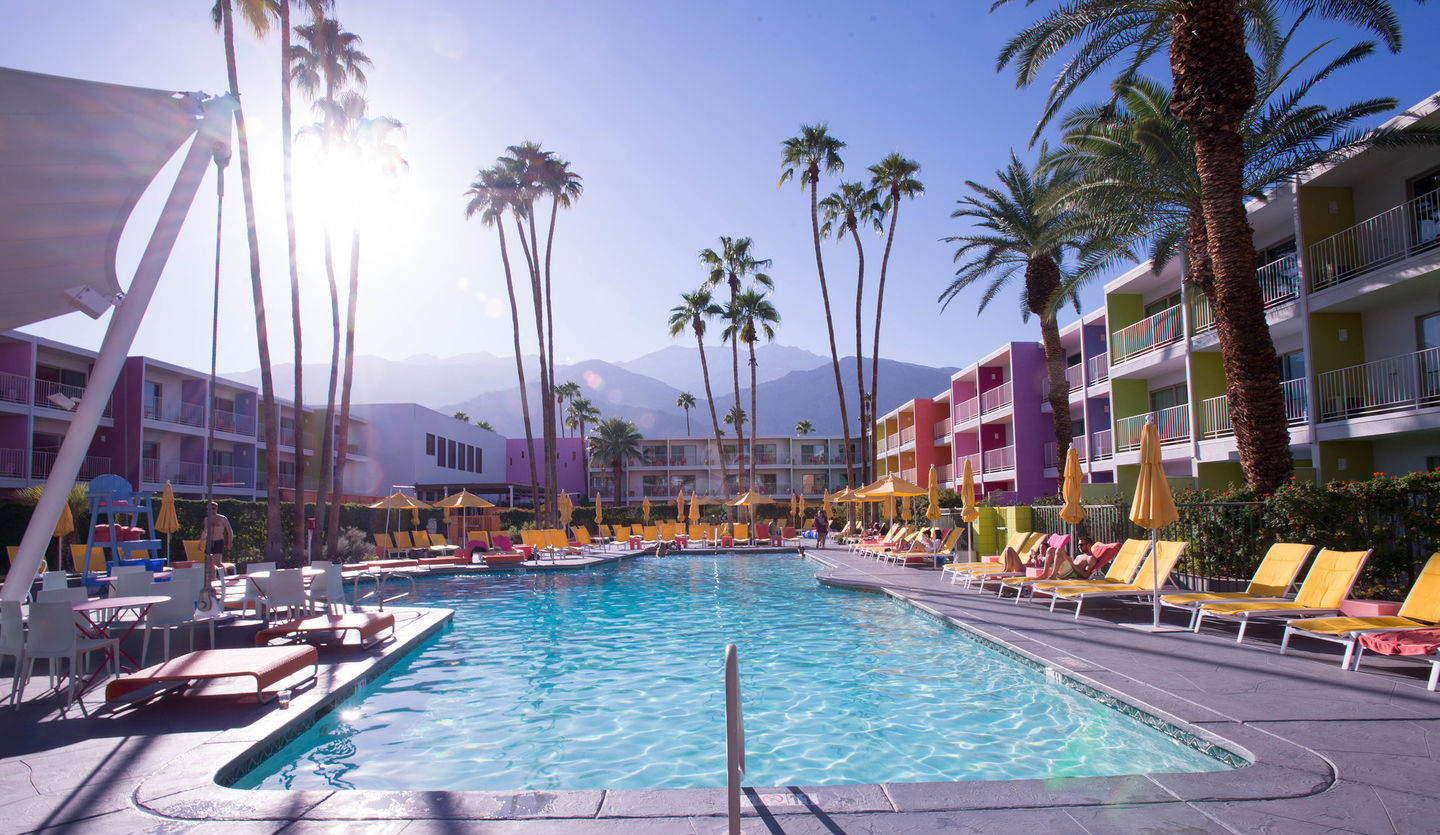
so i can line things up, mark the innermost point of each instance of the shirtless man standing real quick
(218, 536)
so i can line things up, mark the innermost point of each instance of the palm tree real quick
(370, 138)
(1214, 87)
(751, 316)
(693, 312)
(686, 401)
(845, 210)
(804, 428)
(327, 58)
(729, 266)
(461, 416)
(735, 417)
(492, 194)
(568, 390)
(805, 155)
(894, 178)
(1021, 232)
(317, 10)
(581, 412)
(615, 441)
(256, 14)
(485, 424)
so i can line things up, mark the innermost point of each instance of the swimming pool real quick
(611, 678)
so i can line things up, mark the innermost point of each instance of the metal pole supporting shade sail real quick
(1153, 507)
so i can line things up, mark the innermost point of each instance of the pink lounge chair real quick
(367, 627)
(268, 666)
(504, 553)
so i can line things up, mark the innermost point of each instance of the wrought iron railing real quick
(945, 472)
(973, 458)
(1103, 445)
(1075, 376)
(1396, 384)
(1079, 443)
(907, 435)
(1215, 411)
(150, 471)
(1279, 285)
(187, 472)
(1394, 235)
(236, 423)
(1146, 335)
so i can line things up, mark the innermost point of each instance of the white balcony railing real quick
(90, 466)
(999, 460)
(50, 395)
(973, 458)
(231, 477)
(182, 413)
(996, 398)
(945, 473)
(1279, 285)
(1147, 335)
(1173, 424)
(185, 472)
(907, 435)
(150, 471)
(1075, 376)
(943, 429)
(1078, 443)
(1099, 368)
(14, 388)
(1394, 235)
(236, 423)
(1103, 446)
(967, 410)
(12, 463)
(1215, 412)
(1397, 384)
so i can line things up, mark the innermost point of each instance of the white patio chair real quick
(134, 585)
(55, 580)
(285, 589)
(53, 635)
(175, 612)
(12, 639)
(69, 595)
(328, 589)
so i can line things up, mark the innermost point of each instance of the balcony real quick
(973, 458)
(91, 466)
(1147, 335)
(1075, 376)
(45, 390)
(945, 473)
(1279, 285)
(1099, 368)
(968, 410)
(236, 423)
(1215, 412)
(996, 398)
(12, 463)
(812, 459)
(907, 435)
(232, 477)
(183, 414)
(1052, 460)
(1391, 236)
(1102, 446)
(186, 472)
(150, 471)
(943, 429)
(1173, 425)
(1406, 383)
(998, 460)
(14, 388)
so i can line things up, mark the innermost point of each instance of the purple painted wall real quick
(569, 453)
(16, 358)
(1033, 428)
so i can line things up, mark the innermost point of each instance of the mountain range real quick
(793, 384)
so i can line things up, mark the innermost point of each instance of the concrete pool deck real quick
(1332, 751)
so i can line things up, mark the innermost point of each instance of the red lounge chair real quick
(366, 625)
(267, 665)
(380, 565)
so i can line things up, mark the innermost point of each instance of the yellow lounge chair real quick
(1154, 574)
(994, 569)
(927, 557)
(1121, 572)
(440, 545)
(860, 543)
(954, 569)
(741, 535)
(1327, 583)
(97, 558)
(896, 539)
(1272, 581)
(1420, 610)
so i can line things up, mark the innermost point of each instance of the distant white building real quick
(414, 446)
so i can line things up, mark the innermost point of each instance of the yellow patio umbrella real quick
(750, 497)
(1153, 507)
(891, 485)
(694, 508)
(825, 503)
(645, 509)
(399, 501)
(166, 522)
(932, 495)
(1073, 512)
(905, 511)
(679, 504)
(462, 500)
(64, 526)
(968, 511)
(566, 508)
(599, 511)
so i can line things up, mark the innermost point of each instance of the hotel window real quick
(452, 455)
(429, 444)
(1167, 397)
(1160, 305)
(151, 398)
(439, 452)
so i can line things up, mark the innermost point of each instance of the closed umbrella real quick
(166, 522)
(968, 511)
(932, 495)
(566, 508)
(1073, 512)
(599, 512)
(645, 509)
(65, 526)
(1153, 507)
(679, 504)
(694, 508)
(825, 502)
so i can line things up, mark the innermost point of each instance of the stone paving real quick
(1331, 751)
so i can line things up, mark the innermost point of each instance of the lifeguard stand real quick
(113, 502)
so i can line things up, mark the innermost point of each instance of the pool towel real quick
(1408, 642)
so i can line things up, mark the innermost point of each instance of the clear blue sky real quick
(672, 112)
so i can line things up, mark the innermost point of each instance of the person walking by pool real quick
(822, 527)
(218, 536)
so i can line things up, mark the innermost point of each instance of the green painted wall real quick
(1359, 460)
(1122, 309)
(1125, 477)
(1128, 397)
(1328, 352)
(1219, 475)
(1207, 376)
(1317, 220)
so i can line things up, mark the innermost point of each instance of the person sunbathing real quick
(1059, 566)
(1034, 558)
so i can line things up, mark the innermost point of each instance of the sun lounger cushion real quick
(366, 625)
(1409, 642)
(267, 665)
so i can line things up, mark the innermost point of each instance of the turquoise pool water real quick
(612, 678)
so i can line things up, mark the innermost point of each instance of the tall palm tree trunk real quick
(1042, 282)
(879, 309)
(714, 419)
(751, 345)
(735, 372)
(520, 366)
(332, 529)
(1214, 86)
(325, 483)
(274, 547)
(547, 395)
(552, 463)
(286, 141)
(814, 176)
(860, 353)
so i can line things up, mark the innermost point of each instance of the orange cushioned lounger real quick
(267, 665)
(366, 625)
